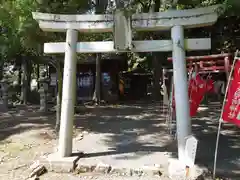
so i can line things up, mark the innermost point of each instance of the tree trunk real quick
(101, 6)
(38, 75)
(157, 67)
(97, 91)
(19, 81)
(59, 97)
(1, 70)
(29, 76)
(157, 5)
(24, 82)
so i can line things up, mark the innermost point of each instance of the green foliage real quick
(232, 7)
(9, 43)
(64, 6)
(20, 34)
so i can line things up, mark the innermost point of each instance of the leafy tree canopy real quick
(21, 35)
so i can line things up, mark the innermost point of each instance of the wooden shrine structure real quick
(217, 63)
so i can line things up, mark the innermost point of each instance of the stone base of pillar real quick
(178, 170)
(55, 163)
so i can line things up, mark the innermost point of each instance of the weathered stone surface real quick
(84, 168)
(38, 171)
(121, 171)
(43, 91)
(151, 170)
(58, 164)
(178, 170)
(103, 168)
(137, 172)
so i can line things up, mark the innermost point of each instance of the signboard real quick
(231, 110)
(191, 150)
(85, 86)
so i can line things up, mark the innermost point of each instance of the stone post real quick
(164, 88)
(68, 94)
(180, 90)
(4, 98)
(43, 91)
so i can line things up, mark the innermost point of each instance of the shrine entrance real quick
(214, 68)
(122, 26)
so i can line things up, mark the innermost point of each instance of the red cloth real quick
(196, 90)
(210, 86)
(231, 110)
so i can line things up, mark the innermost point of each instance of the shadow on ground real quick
(140, 129)
(205, 127)
(137, 130)
(129, 128)
(23, 118)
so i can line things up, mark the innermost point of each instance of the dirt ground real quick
(25, 135)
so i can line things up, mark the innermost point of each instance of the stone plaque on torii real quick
(173, 20)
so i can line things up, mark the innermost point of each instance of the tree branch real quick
(139, 1)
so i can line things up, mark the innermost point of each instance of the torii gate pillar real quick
(68, 94)
(180, 89)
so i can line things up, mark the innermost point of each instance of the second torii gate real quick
(174, 20)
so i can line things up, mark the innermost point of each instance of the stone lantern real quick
(3, 95)
(43, 91)
(164, 87)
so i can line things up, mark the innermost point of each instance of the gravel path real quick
(26, 136)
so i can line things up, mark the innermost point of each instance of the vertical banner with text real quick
(231, 110)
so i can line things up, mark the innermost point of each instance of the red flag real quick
(196, 90)
(210, 86)
(231, 110)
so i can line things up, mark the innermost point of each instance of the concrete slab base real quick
(132, 140)
(55, 163)
(79, 165)
(122, 171)
(178, 170)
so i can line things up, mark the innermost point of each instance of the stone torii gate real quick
(174, 20)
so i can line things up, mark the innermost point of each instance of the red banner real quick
(210, 86)
(231, 110)
(196, 90)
